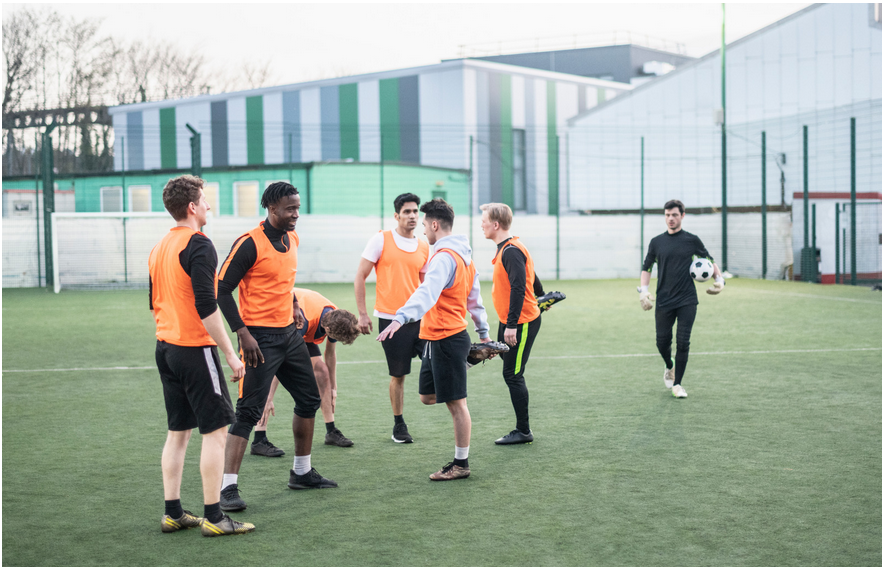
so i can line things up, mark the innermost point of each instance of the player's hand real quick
(717, 287)
(646, 301)
(389, 331)
(251, 352)
(236, 366)
(510, 336)
(269, 409)
(365, 325)
(333, 400)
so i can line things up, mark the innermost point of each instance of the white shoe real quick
(669, 377)
(678, 391)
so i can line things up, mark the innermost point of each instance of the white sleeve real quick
(439, 277)
(374, 248)
(476, 309)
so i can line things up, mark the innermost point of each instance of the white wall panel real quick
(311, 125)
(152, 156)
(540, 138)
(369, 121)
(441, 112)
(517, 101)
(274, 145)
(237, 145)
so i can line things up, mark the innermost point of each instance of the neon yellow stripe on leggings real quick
(521, 344)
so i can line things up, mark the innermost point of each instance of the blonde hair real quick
(498, 212)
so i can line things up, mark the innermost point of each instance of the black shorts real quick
(443, 371)
(285, 356)
(193, 387)
(314, 350)
(404, 345)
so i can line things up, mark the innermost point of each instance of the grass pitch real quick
(774, 459)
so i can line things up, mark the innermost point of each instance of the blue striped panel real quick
(329, 108)
(409, 118)
(291, 126)
(219, 134)
(135, 141)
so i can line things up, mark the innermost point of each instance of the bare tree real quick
(21, 45)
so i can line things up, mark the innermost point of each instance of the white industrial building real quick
(817, 68)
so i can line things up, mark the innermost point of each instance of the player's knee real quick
(307, 408)
(663, 341)
(242, 428)
(683, 346)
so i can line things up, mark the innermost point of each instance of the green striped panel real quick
(390, 146)
(349, 121)
(506, 177)
(552, 137)
(254, 134)
(168, 143)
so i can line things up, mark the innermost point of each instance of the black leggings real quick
(514, 363)
(665, 320)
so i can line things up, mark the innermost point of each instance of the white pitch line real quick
(813, 296)
(577, 356)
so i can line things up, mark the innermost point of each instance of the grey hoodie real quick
(440, 276)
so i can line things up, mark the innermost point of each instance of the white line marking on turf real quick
(577, 356)
(724, 352)
(813, 296)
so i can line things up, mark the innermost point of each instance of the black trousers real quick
(285, 356)
(665, 320)
(514, 363)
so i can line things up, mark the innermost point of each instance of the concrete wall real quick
(95, 251)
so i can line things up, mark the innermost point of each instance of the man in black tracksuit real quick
(674, 250)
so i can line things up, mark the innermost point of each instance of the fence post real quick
(557, 210)
(48, 199)
(123, 171)
(763, 235)
(852, 260)
(471, 206)
(641, 247)
(381, 181)
(816, 276)
(724, 137)
(37, 203)
(836, 243)
(195, 152)
(805, 254)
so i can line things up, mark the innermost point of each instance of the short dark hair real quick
(439, 210)
(674, 203)
(179, 193)
(276, 191)
(405, 198)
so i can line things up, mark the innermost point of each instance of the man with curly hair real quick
(322, 318)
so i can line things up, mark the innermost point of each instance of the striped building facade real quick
(515, 117)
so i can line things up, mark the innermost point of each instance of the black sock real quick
(259, 436)
(213, 512)
(174, 509)
(462, 463)
(329, 427)
(398, 419)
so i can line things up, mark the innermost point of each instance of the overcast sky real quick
(312, 41)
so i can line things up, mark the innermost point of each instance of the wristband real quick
(644, 289)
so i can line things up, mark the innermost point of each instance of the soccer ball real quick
(701, 269)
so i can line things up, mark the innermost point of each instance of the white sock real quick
(229, 479)
(461, 453)
(302, 464)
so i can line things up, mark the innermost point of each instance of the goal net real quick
(105, 250)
